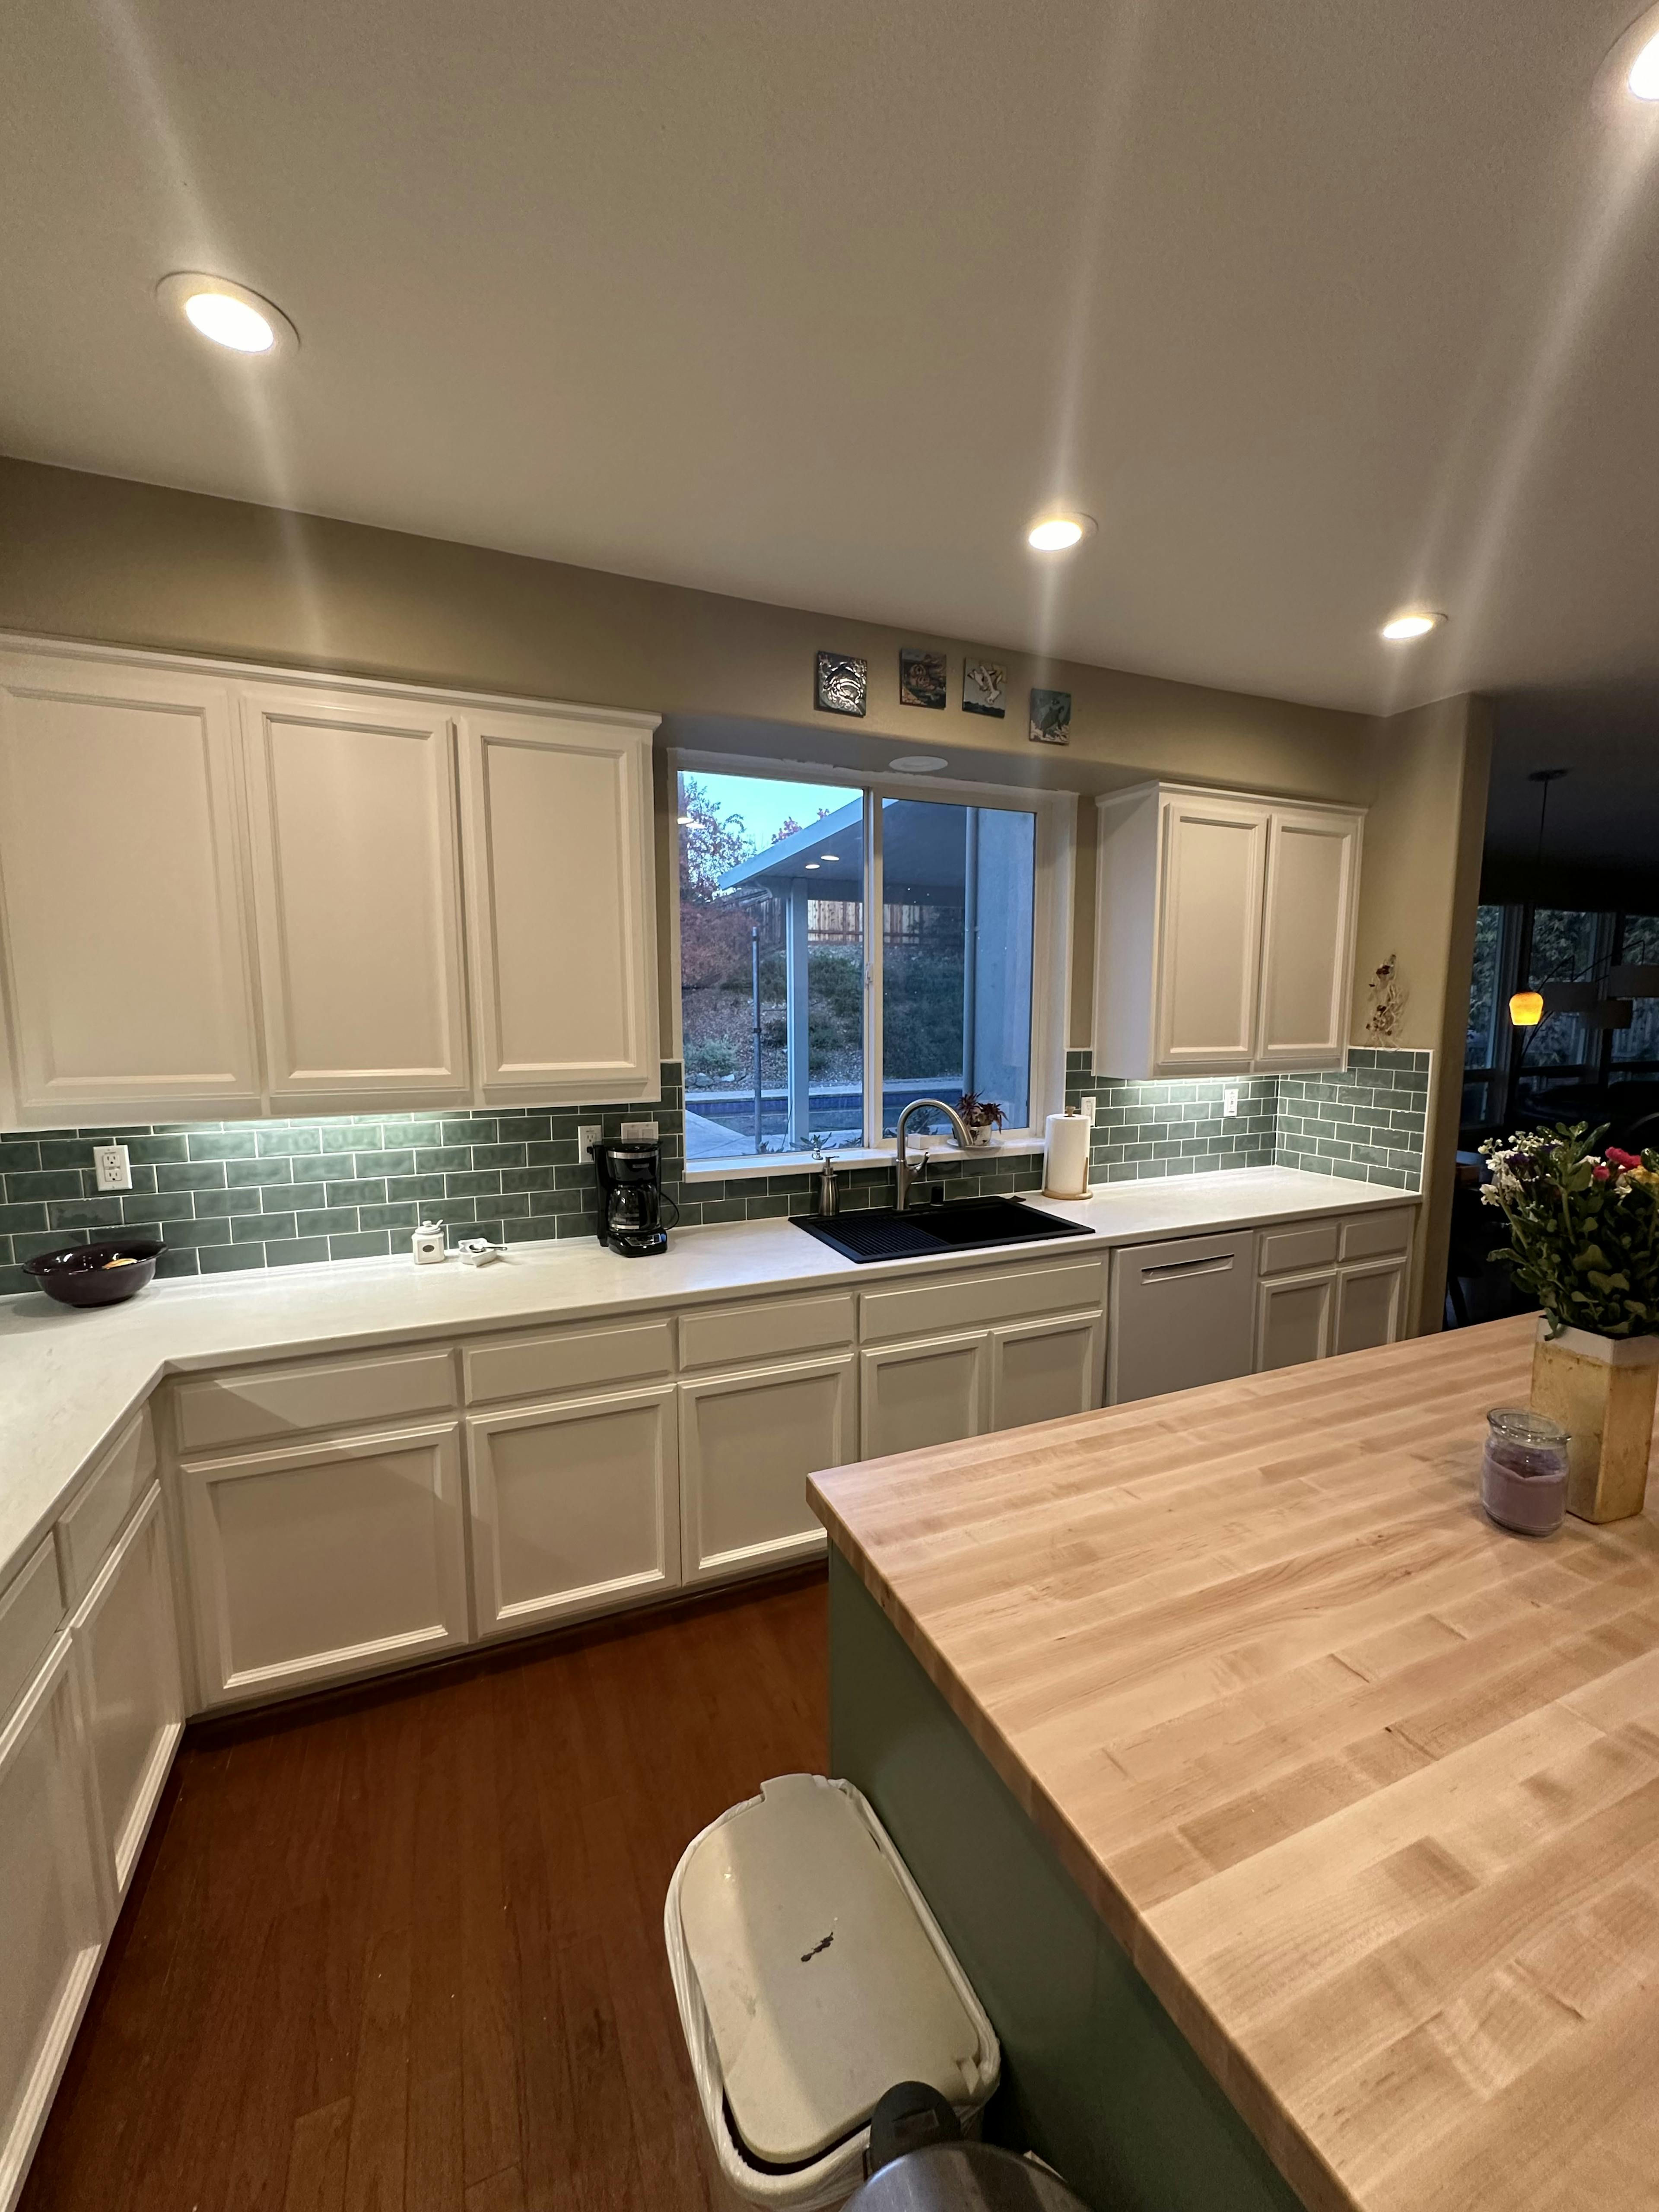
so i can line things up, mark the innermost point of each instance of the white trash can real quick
(810, 1977)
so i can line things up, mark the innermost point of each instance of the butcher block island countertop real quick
(1368, 1789)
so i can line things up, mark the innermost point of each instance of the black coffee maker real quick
(631, 1199)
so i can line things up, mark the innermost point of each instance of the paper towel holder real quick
(1073, 1151)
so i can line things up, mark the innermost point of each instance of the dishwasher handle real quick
(1217, 1266)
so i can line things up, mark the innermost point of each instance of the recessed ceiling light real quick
(686, 821)
(829, 856)
(1413, 622)
(1059, 532)
(229, 315)
(1644, 77)
(918, 763)
(812, 864)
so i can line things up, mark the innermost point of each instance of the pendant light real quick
(1526, 1007)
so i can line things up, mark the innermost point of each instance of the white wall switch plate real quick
(114, 1169)
(1230, 1102)
(589, 1132)
(1090, 1102)
(639, 1132)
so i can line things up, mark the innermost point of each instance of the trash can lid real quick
(821, 1984)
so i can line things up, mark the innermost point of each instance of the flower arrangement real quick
(1583, 1228)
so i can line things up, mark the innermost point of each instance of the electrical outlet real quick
(1090, 1100)
(589, 1133)
(639, 1132)
(1230, 1102)
(114, 1169)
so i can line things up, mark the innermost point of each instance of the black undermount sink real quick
(923, 1231)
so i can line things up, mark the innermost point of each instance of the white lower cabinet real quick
(935, 1392)
(1042, 1371)
(575, 1507)
(1370, 1303)
(334, 1558)
(1293, 1320)
(126, 1651)
(1332, 1285)
(748, 1442)
(52, 1909)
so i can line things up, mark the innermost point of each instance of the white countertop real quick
(69, 1378)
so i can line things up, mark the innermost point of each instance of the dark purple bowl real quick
(80, 1274)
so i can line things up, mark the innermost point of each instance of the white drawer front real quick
(732, 1336)
(1297, 1251)
(256, 1404)
(567, 1359)
(30, 1611)
(1382, 1236)
(91, 1525)
(974, 1301)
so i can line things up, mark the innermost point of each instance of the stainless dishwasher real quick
(1180, 1313)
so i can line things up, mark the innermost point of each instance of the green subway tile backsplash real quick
(227, 1197)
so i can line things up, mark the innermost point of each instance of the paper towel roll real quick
(1065, 1156)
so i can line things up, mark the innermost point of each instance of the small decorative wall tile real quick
(1051, 718)
(921, 678)
(984, 684)
(843, 683)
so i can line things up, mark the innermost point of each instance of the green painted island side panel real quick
(1097, 2078)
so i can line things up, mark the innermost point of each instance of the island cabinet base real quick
(1097, 2078)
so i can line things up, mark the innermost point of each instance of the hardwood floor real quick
(402, 1948)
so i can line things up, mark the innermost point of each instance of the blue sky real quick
(765, 803)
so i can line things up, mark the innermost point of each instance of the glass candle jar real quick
(1523, 1475)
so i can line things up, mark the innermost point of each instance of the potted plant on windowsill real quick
(1584, 1240)
(981, 1117)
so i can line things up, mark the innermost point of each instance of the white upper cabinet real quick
(556, 816)
(1225, 939)
(1307, 939)
(1209, 934)
(351, 805)
(120, 896)
(225, 894)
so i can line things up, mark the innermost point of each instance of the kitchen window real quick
(845, 948)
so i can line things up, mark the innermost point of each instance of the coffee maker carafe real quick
(631, 1197)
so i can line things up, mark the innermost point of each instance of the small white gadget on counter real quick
(428, 1244)
(478, 1251)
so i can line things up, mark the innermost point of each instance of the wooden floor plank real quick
(400, 1949)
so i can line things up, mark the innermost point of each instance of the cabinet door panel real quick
(324, 1560)
(911, 1396)
(51, 1918)
(1042, 1370)
(1370, 1302)
(575, 1507)
(127, 1648)
(560, 905)
(1209, 934)
(1293, 1320)
(351, 801)
(1307, 958)
(748, 1442)
(135, 992)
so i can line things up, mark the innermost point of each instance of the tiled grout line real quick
(230, 1196)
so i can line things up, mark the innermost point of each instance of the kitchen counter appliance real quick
(631, 1197)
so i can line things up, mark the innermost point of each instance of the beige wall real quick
(95, 557)
(1419, 887)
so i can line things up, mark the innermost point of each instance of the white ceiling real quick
(1320, 305)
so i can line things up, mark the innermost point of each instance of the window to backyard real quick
(845, 951)
(1563, 1065)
